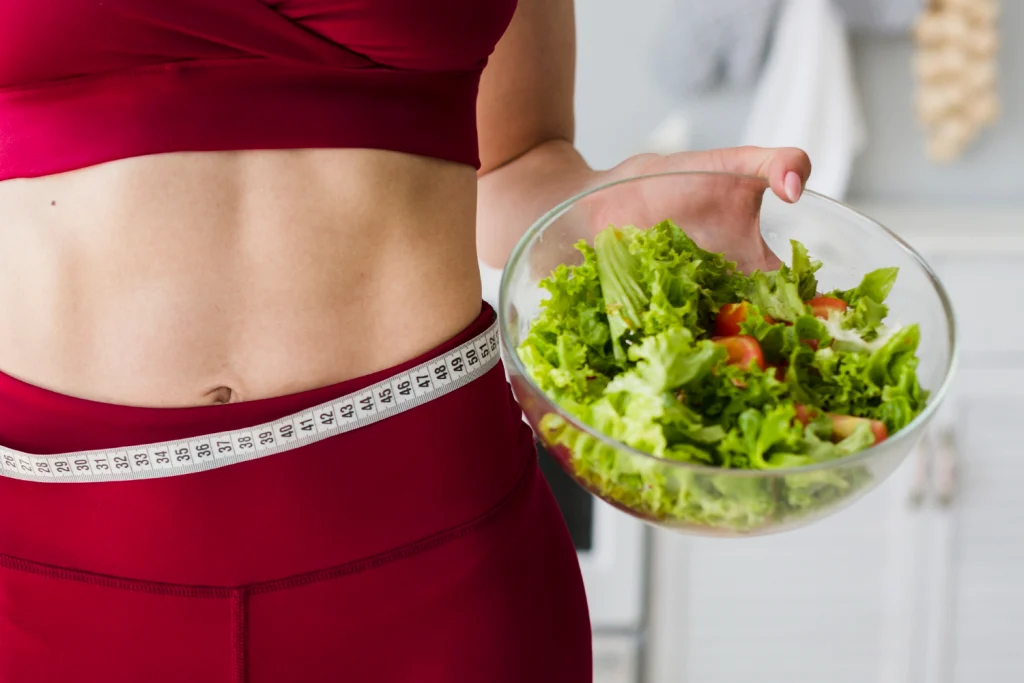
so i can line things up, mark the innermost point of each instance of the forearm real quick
(516, 194)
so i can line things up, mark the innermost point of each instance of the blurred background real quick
(913, 112)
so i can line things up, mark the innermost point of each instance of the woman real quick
(220, 215)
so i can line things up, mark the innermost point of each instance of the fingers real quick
(788, 170)
(785, 168)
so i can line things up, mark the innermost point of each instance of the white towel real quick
(807, 96)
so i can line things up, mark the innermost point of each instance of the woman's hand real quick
(528, 164)
(720, 212)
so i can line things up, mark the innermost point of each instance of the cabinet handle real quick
(946, 468)
(919, 483)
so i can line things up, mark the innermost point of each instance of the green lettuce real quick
(619, 275)
(867, 302)
(622, 344)
(782, 294)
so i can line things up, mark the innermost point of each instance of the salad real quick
(671, 350)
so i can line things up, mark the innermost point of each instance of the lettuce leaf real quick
(876, 285)
(763, 440)
(866, 301)
(802, 271)
(624, 297)
(781, 294)
(670, 359)
(776, 296)
(893, 369)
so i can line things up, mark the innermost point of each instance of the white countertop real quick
(961, 229)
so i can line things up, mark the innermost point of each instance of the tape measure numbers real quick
(424, 383)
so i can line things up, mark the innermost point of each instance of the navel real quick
(222, 395)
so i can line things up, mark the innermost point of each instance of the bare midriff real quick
(199, 278)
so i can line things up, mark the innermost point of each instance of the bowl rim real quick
(912, 430)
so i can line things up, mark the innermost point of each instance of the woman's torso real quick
(197, 278)
(133, 271)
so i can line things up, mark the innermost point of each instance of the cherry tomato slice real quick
(822, 306)
(742, 350)
(730, 316)
(845, 425)
(727, 323)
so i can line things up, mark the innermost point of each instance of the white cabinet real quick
(832, 602)
(975, 625)
(616, 658)
(922, 581)
(977, 538)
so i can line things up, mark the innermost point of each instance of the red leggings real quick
(425, 547)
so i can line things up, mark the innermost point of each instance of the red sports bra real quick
(88, 81)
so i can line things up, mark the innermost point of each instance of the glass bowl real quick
(706, 500)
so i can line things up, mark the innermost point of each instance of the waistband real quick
(395, 394)
(333, 501)
(39, 421)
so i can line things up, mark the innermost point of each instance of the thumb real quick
(785, 168)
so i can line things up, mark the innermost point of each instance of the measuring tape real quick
(387, 398)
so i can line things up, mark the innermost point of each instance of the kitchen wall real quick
(619, 102)
(894, 166)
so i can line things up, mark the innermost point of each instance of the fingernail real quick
(793, 186)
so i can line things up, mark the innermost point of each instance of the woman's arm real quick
(526, 127)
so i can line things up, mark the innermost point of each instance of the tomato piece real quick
(845, 425)
(780, 370)
(731, 316)
(822, 306)
(742, 350)
(813, 343)
(804, 414)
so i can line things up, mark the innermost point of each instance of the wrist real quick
(514, 195)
